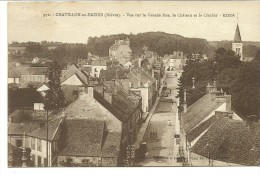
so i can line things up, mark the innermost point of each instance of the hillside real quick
(160, 42)
(165, 43)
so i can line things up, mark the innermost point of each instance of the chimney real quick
(139, 62)
(152, 72)
(225, 98)
(214, 86)
(184, 102)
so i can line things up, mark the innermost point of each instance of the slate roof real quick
(73, 69)
(21, 114)
(237, 37)
(231, 141)
(145, 77)
(20, 128)
(198, 111)
(124, 105)
(194, 133)
(53, 127)
(16, 72)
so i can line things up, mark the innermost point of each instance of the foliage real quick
(15, 157)
(239, 79)
(54, 98)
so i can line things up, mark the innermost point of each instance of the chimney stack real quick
(184, 102)
(139, 62)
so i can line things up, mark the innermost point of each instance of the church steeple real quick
(237, 45)
(237, 38)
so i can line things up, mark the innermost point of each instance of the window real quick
(33, 143)
(95, 69)
(39, 161)
(39, 145)
(19, 143)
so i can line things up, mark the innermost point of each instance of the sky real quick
(26, 21)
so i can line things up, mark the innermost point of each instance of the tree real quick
(54, 98)
(33, 47)
(245, 90)
(257, 56)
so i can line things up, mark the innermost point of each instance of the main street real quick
(161, 150)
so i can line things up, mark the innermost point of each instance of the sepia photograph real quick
(133, 84)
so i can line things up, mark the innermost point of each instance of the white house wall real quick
(73, 80)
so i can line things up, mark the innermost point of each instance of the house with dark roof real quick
(120, 111)
(199, 117)
(24, 75)
(73, 78)
(87, 142)
(36, 139)
(228, 142)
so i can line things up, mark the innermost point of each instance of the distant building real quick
(121, 51)
(25, 75)
(71, 80)
(237, 45)
(143, 84)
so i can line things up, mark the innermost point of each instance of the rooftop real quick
(89, 138)
(231, 141)
(73, 69)
(198, 111)
(16, 72)
(53, 127)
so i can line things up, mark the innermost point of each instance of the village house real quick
(198, 117)
(24, 75)
(228, 142)
(121, 51)
(87, 142)
(144, 85)
(36, 140)
(71, 79)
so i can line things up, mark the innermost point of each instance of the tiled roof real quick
(41, 132)
(73, 69)
(231, 141)
(16, 72)
(88, 108)
(88, 138)
(20, 128)
(111, 146)
(194, 133)
(198, 111)
(83, 138)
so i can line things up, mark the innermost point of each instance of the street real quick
(161, 149)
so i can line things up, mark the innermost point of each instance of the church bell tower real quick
(237, 45)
